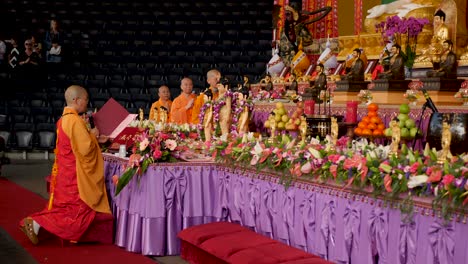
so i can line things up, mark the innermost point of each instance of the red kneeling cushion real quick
(226, 245)
(196, 235)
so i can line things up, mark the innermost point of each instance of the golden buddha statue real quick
(445, 143)
(225, 111)
(441, 34)
(464, 58)
(396, 136)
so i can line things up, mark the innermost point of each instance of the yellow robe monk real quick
(156, 108)
(78, 192)
(179, 114)
(197, 105)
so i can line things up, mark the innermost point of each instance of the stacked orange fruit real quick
(371, 125)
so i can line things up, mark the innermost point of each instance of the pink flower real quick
(193, 135)
(335, 158)
(333, 170)
(296, 170)
(170, 144)
(448, 179)
(353, 162)
(134, 160)
(306, 168)
(157, 154)
(115, 179)
(388, 183)
(414, 168)
(228, 149)
(435, 174)
(164, 136)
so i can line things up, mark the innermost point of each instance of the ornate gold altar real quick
(372, 42)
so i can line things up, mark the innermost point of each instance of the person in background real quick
(54, 32)
(78, 197)
(212, 78)
(163, 104)
(448, 63)
(54, 55)
(181, 109)
(29, 62)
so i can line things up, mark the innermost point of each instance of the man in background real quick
(181, 109)
(163, 104)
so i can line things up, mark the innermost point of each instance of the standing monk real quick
(212, 78)
(78, 195)
(181, 109)
(163, 104)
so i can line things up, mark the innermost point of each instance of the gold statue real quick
(445, 142)
(334, 131)
(441, 34)
(396, 136)
(273, 129)
(225, 111)
(208, 124)
(162, 116)
(243, 123)
(303, 129)
(141, 116)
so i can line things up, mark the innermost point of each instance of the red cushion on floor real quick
(199, 234)
(251, 256)
(226, 245)
(313, 260)
(282, 252)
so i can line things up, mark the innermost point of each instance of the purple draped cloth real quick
(335, 224)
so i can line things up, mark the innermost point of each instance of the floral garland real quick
(363, 165)
(217, 105)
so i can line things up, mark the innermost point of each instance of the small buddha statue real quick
(445, 143)
(243, 122)
(396, 136)
(208, 123)
(225, 111)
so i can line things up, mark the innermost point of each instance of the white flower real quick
(417, 180)
(143, 144)
(170, 144)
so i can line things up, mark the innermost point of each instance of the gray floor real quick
(30, 174)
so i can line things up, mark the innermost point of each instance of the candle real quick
(309, 106)
(351, 111)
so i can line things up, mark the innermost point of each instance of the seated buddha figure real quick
(464, 56)
(441, 34)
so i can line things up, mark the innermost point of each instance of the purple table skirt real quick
(334, 224)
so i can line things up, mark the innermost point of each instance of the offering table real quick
(323, 219)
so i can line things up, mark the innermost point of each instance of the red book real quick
(112, 118)
(126, 137)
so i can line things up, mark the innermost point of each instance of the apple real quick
(402, 124)
(402, 117)
(404, 109)
(413, 132)
(280, 125)
(388, 132)
(281, 111)
(284, 118)
(267, 124)
(297, 122)
(277, 117)
(279, 105)
(404, 132)
(410, 123)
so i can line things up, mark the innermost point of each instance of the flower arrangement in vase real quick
(403, 31)
(412, 96)
(365, 97)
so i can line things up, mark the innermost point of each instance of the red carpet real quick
(17, 202)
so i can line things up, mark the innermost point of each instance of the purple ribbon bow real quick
(442, 241)
(378, 233)
(175, 184)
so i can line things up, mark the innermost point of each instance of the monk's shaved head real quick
(73, 92)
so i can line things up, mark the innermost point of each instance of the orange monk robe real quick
(80, 195)
(179, 114)
(197, 105)
(155, 108)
